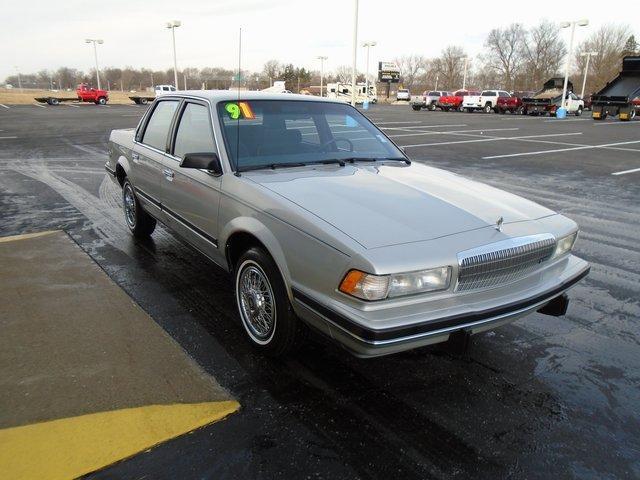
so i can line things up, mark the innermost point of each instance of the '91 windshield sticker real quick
(239, 110)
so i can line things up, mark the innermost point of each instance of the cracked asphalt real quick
(544, 397)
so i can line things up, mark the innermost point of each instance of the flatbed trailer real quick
(142, 100)
(544, 100)
(617, 97)
(56, 100)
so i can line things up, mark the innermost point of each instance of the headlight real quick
(378, 287)
(565, 244)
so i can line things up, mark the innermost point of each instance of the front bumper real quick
(367, 341)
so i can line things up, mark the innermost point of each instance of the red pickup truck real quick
(84, 93)
(509, 104)
(454, 102)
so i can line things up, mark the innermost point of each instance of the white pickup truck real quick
(486, 101)
(428, 100)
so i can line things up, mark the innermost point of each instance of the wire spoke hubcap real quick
(255, 298)
(129, 206)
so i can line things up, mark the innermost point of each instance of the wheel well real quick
(237, 244)
(120, 174)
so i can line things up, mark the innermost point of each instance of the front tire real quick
(140, 223)
(263, 304)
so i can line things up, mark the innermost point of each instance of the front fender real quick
(256, 228)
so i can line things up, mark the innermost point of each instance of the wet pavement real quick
(544, 397)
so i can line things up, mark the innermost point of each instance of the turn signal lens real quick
(364, 285)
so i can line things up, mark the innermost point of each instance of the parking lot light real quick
(368, 46)
(586, 70)
(581, 23)
(95, 42)
(322, 59)
(355, 53)
(172, 25)
(464, 75)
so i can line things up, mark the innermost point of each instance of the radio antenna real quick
(238, 120)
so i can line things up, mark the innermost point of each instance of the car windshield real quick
(280, 133)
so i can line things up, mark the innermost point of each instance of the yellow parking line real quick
(70, 447)
(25, 236)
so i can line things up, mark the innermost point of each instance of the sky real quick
(47, 35)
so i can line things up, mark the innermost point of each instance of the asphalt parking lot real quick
(544, 397)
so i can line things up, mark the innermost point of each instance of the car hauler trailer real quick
(159, 91)
(617, 96)
(84, 93)
(544, 100)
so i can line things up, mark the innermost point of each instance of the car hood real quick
(393, 203)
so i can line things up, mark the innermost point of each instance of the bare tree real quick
(505, 52)
(272, 70)
(609, 41)
(411, 66)
(343, 74)
(543, 51)
(450, 67)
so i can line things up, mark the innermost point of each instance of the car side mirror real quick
(204, 161)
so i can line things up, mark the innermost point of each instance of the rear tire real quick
(487, 108)
(263, 304)
(579, 112)
(144, 101)
(140, 223)
(102, 101)
(416, 108)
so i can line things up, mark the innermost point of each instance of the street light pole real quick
(581, 23)
(464, 76)
(586, 70)
(95, 42)
(368, 46)
(355, 54)
(322, 59)
(172, 25)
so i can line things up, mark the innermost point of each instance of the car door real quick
(190, 197)
(149, 150)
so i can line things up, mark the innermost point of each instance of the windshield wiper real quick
(272, 166)
(377, 159)
(331, 161)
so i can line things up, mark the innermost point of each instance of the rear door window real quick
(194, 133)
(155, 135)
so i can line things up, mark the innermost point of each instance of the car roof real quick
(228, 95)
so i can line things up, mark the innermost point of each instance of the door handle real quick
(168, 174)
(135, 157)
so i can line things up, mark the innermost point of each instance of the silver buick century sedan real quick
(322, 219)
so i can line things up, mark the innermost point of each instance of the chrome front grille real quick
(502, 262)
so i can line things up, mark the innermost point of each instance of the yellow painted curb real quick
(70, 447)
(25, 236)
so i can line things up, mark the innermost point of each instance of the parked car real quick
(288, 193)
(454, 100)
(403, 94)
(486, 101)
(509, 104)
